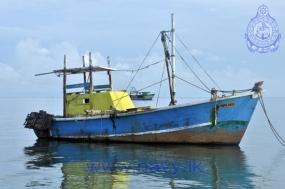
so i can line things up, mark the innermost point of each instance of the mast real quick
(167, 58)
(173, 57)
(64, 86)
(171, 78)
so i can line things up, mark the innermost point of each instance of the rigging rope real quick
(198, 62)
(160, 85)
(277, 136)
(153, 84)
(143, 67)
(192, 70)
(138, 69)
(237, 91)
(193, 85)
(188, 65)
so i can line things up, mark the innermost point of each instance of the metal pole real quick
(173, 58)
(109, 72)
(84, 74)
(64, 86)
(91, 80)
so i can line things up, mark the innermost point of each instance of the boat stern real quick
(40, 122)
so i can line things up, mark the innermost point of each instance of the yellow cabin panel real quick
(121, 100)
(76, 104)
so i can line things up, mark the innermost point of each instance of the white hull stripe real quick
(148, 132)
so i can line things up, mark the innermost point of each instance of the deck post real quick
(64, 86)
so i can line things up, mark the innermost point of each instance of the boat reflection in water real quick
(123, 165)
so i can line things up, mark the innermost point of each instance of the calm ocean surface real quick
(25, 162)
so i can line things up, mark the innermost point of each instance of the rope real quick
(138, 69)
(197, 62)
(277, 136)
(193, 85)
(152, 84)
(80, 121)
(139, 90)
(160, 85)
(143, 67)
(237, 91)
(191, 70)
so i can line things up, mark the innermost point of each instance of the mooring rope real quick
(277, 136)
(80, 121)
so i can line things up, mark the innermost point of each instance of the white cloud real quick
(208, 56)
(36, 36)
(8, 73)
(196, 52)
(214, 58)
(238, 79)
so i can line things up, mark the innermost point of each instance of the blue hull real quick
(223, 121)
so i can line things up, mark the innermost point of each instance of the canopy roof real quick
(80, 70)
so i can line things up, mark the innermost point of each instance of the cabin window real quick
(85, 100)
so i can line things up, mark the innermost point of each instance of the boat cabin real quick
(94, 98)
(91, 99)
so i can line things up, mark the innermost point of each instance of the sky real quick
(35, 36)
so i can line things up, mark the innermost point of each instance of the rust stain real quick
(219, 136)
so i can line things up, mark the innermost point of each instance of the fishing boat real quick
(140, 95)
(99, 113)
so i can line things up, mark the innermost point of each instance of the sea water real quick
(25, 162)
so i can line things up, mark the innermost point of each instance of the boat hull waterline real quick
(220, 121)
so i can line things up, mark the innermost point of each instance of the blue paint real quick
(194, 118)
(87, 86)
(79, 85)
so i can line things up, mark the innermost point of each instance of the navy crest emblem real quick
(262, 32)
